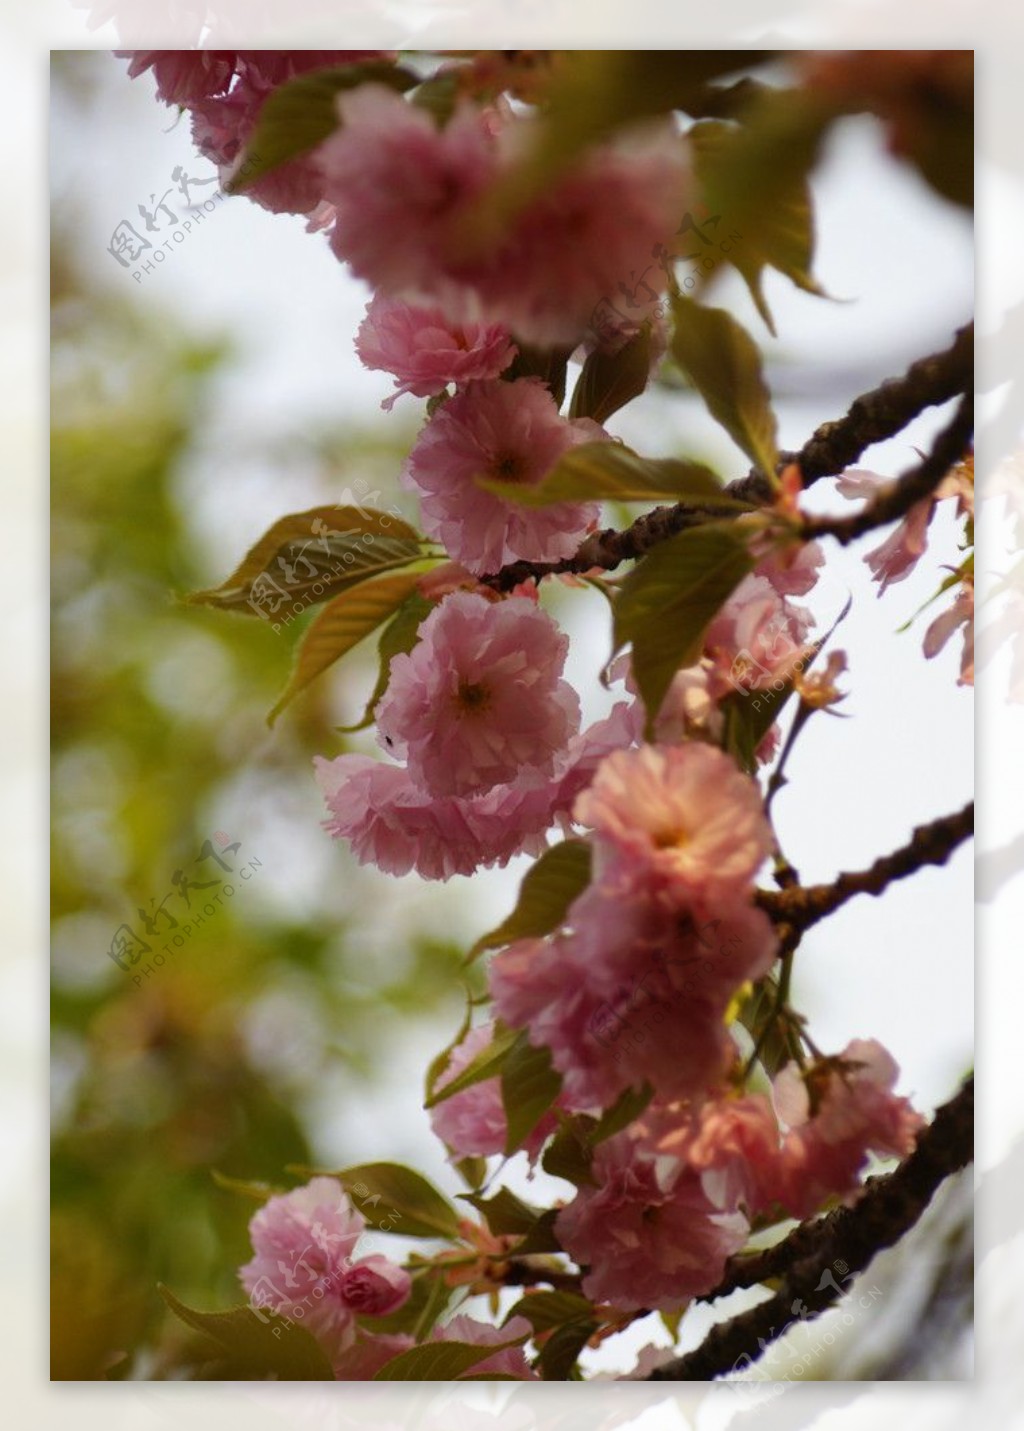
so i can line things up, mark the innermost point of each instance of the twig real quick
(895, 499)
(930, 844)
(888, 1208)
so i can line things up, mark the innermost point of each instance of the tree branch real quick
(931, 844)
(850, 1236)
(895, 499)
(873, 417)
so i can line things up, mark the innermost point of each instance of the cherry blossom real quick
(426, 351)
(480, 700)
(511, 432)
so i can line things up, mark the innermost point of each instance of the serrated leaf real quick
(548, 889)
(340, 626)
(408, 1203)
(529, 1087)
(308, 557)
(486, 1064)
(667, 602)
(612, 472)
(724, 364)
(256, 1344)
(610, 380)
(545, 1310)
(299, 115)
(753, 177)
(398, 637)
(440, 1361)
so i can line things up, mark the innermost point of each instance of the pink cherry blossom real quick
(736, 1144)
(183, 76)
(901, 551)
(401, 186)
(479, 700)
(681, 815)
(510, 1361)
(635, 992)
(647, 1233)
(390, 821)
(473, 1123)
(221, 128)
(855, 1112)
(793, 569)
(961, 613)
(594, 241)
(303, 1242)
(374, 1286)
(426, 351)
(511, 432)
(758, 639)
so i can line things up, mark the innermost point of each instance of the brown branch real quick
(887, 410)
(931, 844)
(850, 1236)
(895, 499)
(873, 417)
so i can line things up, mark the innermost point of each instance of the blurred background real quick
(192, 408)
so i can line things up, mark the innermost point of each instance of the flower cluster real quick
(304, 1269)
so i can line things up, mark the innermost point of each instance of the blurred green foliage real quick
(158, 714)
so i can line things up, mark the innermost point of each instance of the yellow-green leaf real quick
(610, 380)
(398, 637)
(548, 889)
(310, 556)
(340, 626)
(441, 1361)
(395, 1199)
(255, 1344)
(724, 364)
(486, 1064)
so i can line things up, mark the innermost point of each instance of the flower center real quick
(473, 696)
(670, 837)
(510, 467)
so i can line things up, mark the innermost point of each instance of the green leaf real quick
(610, 380)
(724, 364)
(626, 1108)
(560, 1352)
(570, 1152)
(753, 177)
(406, 1203)
(299, 115)
(308, 557)
(666, 603)
(612, 472)
(548, 889)
(487, 1064)
(256, 1344)
(472, 1171)
(529, 1087)
(541, 1236)
(257, 1191)
(398, 637)
(440, 1361)
(545, 1310)
(671, 1321)
(548, 364)
(748, 716)
(504, 1212)
(342, 624)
